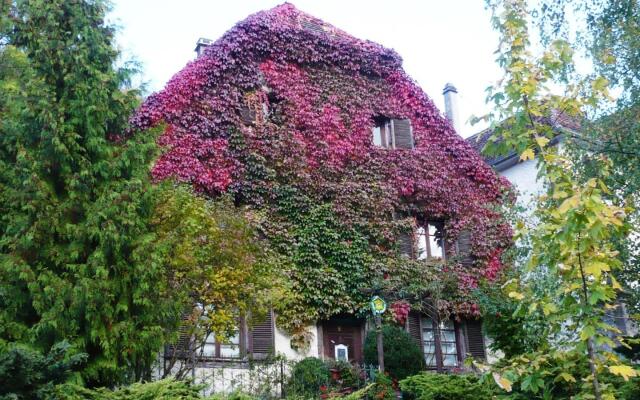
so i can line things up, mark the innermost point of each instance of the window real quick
(213, 348)
(392, 133)
(430, 241)
(447, 349)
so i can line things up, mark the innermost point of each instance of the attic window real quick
(392, 133)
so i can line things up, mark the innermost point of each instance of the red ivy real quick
(321, 89)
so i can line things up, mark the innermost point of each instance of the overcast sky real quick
(439, 41)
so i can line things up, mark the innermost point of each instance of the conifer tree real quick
(77, 261)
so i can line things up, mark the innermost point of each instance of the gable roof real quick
(560, 123)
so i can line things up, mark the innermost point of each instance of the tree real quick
(27, 374)
(573, 240)
(76, 256)
(217, 267)
(610, 39)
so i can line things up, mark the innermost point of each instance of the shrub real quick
(432, 386)
(402, 355)
(307, 377)
(166, 389)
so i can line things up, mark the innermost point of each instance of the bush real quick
(307, 376)
(432, 386)
(402, 355)
(167, 389)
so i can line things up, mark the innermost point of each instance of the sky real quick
(440, 41)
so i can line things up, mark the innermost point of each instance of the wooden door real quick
(346, 334)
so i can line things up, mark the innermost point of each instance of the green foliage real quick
(382, 388)
(27, 374)
(76, 260)
(166, 389)
(573, 241)
(214, 259)
(510, 331)
(432, 386)
(402, 355)
(307, 376)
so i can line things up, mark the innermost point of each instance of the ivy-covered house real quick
(352, 177)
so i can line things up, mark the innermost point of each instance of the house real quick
(358, 177)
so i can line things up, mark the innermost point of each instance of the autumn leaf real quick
(503, 382)
(516, 295)
(528, 154)
(625, 371)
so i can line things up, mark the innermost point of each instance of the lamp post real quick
(378, 307)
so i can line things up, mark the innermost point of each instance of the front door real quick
(343, 339)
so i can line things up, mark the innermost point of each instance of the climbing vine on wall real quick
(278, 113)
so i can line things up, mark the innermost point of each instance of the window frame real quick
(438, 353)
(424, 226)
(242, 348)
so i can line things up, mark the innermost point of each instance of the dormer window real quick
(392, 133)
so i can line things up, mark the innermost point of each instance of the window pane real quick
(434, 245)
(449, 348)
(377, 136)
(430, 359)
(422, 243)
(229, 350)
(448, 336)
(450, 360)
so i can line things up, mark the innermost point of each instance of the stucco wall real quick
(283, 344)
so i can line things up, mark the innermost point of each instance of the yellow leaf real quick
(567, 377)
(516, 295)
(548, 308)
(596, 268)
(504, 383)
(542, 141)
(615, 284)
(624, 371)
(528, 154)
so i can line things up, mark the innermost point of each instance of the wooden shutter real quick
(403, 133)
(406, 244)
(247, 115)
(312, 26)
(261, 337)
(181, 348)
(475, 339)
(464, 248)
(414, 327)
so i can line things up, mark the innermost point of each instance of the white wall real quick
(283, 344)
(523, 177)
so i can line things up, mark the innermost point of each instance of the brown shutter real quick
(414, 328)
(261, 337)
(311, 25)
(464, 248)
(247, 115)
(406, 245)
(181, 348)
(403, 133)
(475, 339)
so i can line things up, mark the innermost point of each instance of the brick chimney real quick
(202, 44)
(451, 106)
